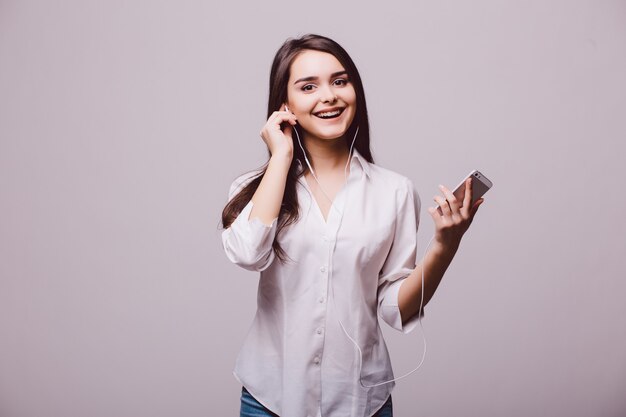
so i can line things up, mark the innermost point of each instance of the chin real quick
(330, 132)
(331, 135)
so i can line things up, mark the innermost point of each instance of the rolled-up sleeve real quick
(248, 243)
(401, 260)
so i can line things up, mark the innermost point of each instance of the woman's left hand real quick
(455, 216)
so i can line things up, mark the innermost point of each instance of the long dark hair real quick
(279, 76)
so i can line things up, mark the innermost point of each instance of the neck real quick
(327, 155)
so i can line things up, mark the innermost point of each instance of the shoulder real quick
(395, 184)
(391, 180)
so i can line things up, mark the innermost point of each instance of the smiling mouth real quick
(329, 114)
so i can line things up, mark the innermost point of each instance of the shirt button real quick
(323, 269)
(316, 360)
(319, 330)
(321, 300)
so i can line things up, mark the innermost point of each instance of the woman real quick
(334, 237)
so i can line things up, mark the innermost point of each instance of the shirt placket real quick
(327, 240)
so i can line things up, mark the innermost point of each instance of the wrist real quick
(283, 157)
(445, 249)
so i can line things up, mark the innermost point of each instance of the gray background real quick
(122, 124)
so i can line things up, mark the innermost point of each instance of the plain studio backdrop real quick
(122, 125)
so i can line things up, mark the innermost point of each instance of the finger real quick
(279, 117)
(435, 215)
(275, 120)
(452, 200)
(277, 114)
(280, 112)
(475, 208)
(443, 204)
(467, 199)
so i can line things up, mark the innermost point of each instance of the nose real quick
(328, 95)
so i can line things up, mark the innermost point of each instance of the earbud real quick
(286, 108)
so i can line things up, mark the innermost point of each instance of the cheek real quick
(302, 105)
(351, 99)
(351, 96)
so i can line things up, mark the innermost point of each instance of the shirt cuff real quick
(248, 243)
(255, 226)
(390, 312)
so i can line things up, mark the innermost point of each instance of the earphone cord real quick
(330, 268)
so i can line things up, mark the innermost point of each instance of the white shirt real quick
(296, 360)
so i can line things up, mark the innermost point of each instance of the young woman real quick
(334, 237)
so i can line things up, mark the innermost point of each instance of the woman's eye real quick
(341, 81)
(307, 87)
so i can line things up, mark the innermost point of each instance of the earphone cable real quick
(330, 268)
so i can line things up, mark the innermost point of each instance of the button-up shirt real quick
(296, 359)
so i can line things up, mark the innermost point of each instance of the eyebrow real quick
(333, 75)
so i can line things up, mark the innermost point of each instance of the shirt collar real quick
(361, 161)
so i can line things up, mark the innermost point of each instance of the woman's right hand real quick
(279, 142)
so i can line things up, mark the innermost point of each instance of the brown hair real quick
(279, 76)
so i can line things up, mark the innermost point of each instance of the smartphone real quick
(480, 185)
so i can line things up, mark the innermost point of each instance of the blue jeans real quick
(250, 407)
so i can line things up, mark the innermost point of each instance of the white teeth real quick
(329, 114)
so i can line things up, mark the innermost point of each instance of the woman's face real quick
(321, 95)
